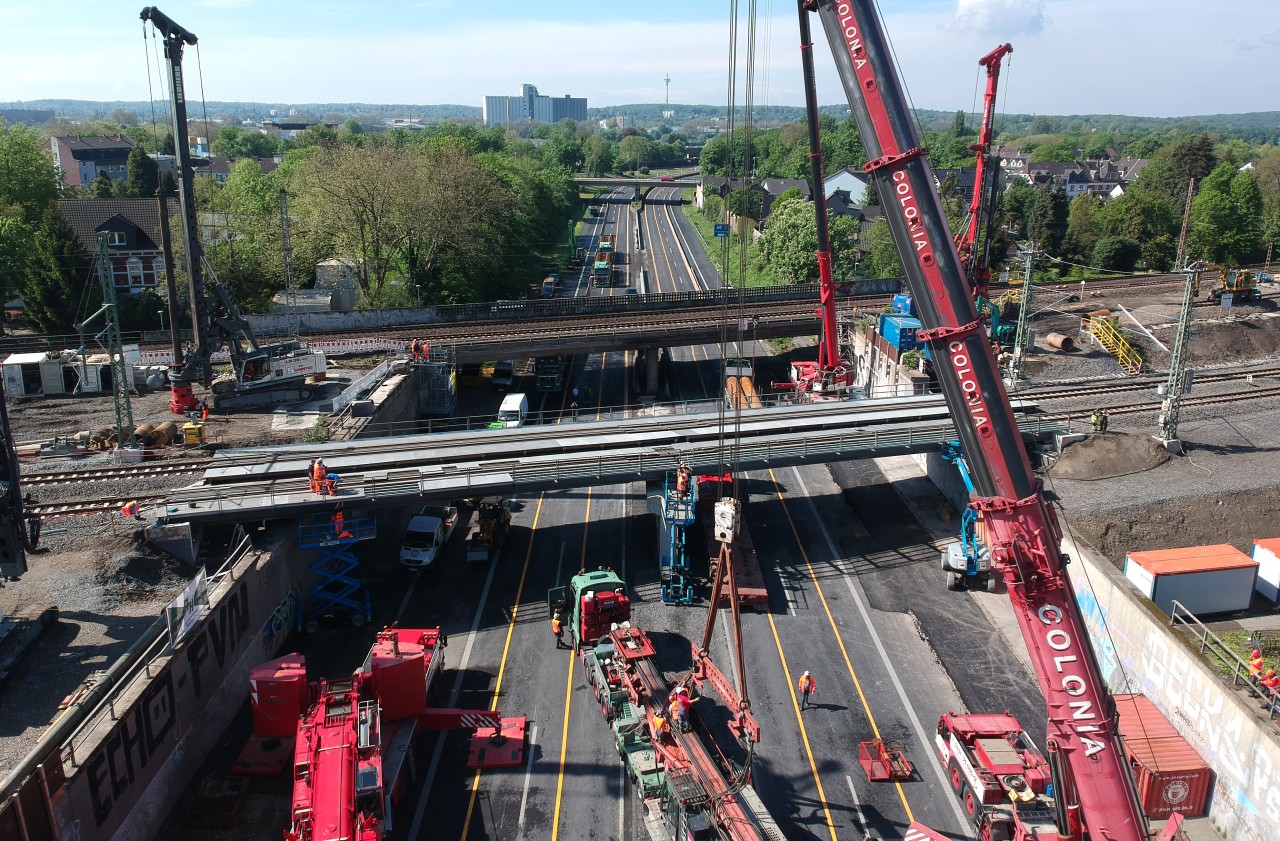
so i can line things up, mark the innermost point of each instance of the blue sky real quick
(1140, 57)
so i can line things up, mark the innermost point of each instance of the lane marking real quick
(502, 669)
(457, 682)
(844, 652)
(622, 802)
(921, 734)
(568, 689)
(804, 733)
(528, 774)
(857, 806)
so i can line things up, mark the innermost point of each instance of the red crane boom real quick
(1094, 787)
(973, 258)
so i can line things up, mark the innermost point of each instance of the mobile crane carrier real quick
(1094, 795)
(262, 375)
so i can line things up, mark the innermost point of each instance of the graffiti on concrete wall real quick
(147, 733)
(281, 620)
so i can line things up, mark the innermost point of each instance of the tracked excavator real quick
(1093, 795)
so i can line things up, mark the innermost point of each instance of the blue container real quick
(900, 331)
(904, 304)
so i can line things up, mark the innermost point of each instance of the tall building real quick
(530, 105)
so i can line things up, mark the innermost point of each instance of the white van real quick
(428, 532)
(513, 411)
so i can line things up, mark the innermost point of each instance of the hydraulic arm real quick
(1094, 788)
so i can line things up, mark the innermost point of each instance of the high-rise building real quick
(530, 105)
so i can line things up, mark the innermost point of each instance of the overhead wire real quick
(151, 96)
(725, 247)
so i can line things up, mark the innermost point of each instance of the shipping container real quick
(899, 331)
(903, 303)
(1203, 579)
(1170, 775)
(1266, 551)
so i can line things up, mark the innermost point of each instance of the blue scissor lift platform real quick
(678, 513)
(335, 592)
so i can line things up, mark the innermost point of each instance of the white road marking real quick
(528, 772)
(404, 603)
(926, 743)
(461, 669)
(857, 806)
(622, 801)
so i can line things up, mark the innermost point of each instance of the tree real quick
(1171, 169)
(53, 288)
(1017, 201)
(1083, 227)
(597, 155)
(790, 242)
(1145, 217)
(29, 182)
(957, 125)
(18, 255)
(1226, 217)
(1115, 254)
(235, 142)
(1047, 223)
(882, 258)
(144, 173)
(633, 151)
(124, 117)
(101, 187)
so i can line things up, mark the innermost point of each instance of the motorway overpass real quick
(255, 484)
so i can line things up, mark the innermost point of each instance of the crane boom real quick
(1094, 787)
(980, 207)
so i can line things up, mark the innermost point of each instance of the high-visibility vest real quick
(555, 626)
(807, 685)
(1255, 666)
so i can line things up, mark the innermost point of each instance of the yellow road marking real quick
(804, 734)
(568, 689)
(857, 684)
(506, 647)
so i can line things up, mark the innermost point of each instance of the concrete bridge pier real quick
(646, 375)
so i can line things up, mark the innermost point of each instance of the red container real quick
(1171, 776)
(280, 695)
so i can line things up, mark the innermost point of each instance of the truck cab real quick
(591, 604)
(512, 412)
(426, 536)
(548, 288)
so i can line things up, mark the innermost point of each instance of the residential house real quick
(133, 237)
(965, 181)
(850, 179)
(841, 203)
(82, 159)
(198, 146)
(775, 187)
(1014, 165)
(1071, 177)
(716, 185)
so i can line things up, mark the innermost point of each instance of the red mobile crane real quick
(973, 257)
(1095, 797)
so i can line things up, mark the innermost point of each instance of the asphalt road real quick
(855, 597)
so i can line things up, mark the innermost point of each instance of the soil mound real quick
(1107, 456)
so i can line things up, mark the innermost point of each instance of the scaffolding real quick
(438, 382)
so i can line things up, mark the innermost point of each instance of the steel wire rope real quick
(726, 247)
(151, 97)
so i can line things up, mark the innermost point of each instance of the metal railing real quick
(1216, 648)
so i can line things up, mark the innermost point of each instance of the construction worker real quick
(319, 473)
(573, 407)
(1271, 681)
(684, 479)
(557, 628)
(131, 509)
(1095, 420)
(339, 521)
(413, 349)
(1255, 665)
(680, 705)
(331, 481)
(659, 724)
(1104, 420)
(807, 686)
(204, 410)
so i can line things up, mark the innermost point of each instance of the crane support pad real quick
(498, 747)
(884, 762)
(264, 756)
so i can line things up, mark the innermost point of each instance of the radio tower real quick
(668, 81)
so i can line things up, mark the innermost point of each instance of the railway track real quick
(1191, 402)
(102, 474)
(71, 508)
(1140, 384)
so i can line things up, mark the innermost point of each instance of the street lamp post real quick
(161, 314)
(418, 292)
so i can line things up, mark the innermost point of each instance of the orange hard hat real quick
(1255, 653)
(1270, 672)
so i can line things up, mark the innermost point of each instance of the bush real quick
(1116, 254)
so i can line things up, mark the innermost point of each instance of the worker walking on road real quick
(557, 628)
(807, 686)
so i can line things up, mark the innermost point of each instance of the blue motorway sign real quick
(722, 230)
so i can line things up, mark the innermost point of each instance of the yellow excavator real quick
(1241, 284)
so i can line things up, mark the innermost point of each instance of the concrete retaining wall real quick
(1139, 652)
(131, 773)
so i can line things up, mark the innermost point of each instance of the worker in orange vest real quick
(339, 521)
(557, 628)
(1255, 664)
(679, 709)
(1271, 680)
(659, 724)
(807, 686)
(683, 480)
(319, 473)
(131, 509)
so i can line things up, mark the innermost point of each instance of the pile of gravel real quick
(1109, 455)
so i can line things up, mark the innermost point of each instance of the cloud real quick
(1002, 16)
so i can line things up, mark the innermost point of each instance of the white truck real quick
(428, 532)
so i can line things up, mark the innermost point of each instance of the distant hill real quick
(1254, 127)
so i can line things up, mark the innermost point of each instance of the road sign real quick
(722, 230)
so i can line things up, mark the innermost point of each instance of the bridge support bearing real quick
(335, 594)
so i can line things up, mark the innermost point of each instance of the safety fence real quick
(1230, 664)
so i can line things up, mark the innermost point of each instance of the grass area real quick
(1237, 641)
(781, 346)
(755, 275)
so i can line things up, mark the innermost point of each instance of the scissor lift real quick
(334, 591)
(677, 514)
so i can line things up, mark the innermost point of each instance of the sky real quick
(1159, 58)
